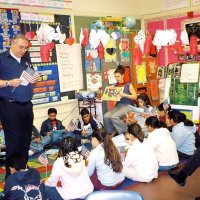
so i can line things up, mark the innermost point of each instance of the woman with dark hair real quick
(113, 119)
(104, 163)
(160, 141)
(140, 163)
(182, 133)
(69, 168)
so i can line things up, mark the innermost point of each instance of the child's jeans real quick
(39, 146)
(52, 193)
(57, 137)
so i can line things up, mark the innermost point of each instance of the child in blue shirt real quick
(53, 127)
(23, 183)
(85, 127)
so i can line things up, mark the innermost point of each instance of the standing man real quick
(16, 109)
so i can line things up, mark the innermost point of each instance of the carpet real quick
(45, 172)
(33, 163)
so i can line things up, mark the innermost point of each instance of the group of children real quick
(156, 142)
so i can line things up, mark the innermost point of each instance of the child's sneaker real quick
(31, 152)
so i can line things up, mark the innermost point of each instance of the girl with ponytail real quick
(104, 163)
(160, 141)
(140, 163)
(183, 133)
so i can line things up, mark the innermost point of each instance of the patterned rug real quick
(33, 163)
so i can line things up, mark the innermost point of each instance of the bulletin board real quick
(9, 27)
(48, 87)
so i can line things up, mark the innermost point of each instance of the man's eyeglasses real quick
(22, 48)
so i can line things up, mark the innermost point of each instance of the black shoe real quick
(197, 198)
(178, 178)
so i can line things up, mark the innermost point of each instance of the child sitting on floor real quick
(53, 127)
(85, 127)
(70, 169)
(104, 162)
(23, 183)
(38, 142)
(140, 163)
(142, 112)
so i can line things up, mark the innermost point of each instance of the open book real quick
(111, 93)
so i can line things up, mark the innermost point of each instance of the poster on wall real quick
(174, 4)
(43, 51)
(124, 50)
(38, 3)
(9, 27)
(47, 89)
(92, 62)
(69, 67)
(189, 73)
(195, 2)
(94, 81)
(183, 93)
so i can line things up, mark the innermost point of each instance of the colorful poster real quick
(9, 27)
(124, 50)
(141, 74)
(110, 54)
(47, 89)
(92, 62)
(183, 93)
(154, 90)
(111, 93)
(94, 81)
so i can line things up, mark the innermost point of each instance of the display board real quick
(43, 54)
(44, 3)
(9, 27)
(47, 89)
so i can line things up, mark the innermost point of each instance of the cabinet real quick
(89, 103)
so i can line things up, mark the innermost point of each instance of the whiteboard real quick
(69, 67)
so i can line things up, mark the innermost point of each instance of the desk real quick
(89, 103)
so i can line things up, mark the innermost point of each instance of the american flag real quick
(30, 75)
(43, 159)
(85, 152)
(72, 126)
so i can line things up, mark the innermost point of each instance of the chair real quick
(114, 195)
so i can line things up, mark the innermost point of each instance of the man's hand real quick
(14, 82)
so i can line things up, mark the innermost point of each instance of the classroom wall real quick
(154, 8)
(80, 8)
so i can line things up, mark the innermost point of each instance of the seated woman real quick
(112, 119)
(183, 134)
(104, 162)
(161, 142)
(140, 163)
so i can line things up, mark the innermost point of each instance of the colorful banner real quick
(9, 27)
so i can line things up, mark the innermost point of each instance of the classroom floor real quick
(164, 188)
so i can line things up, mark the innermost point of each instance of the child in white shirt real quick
(140, 163)
(160, 140)
(70, 170)
(104, 162)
